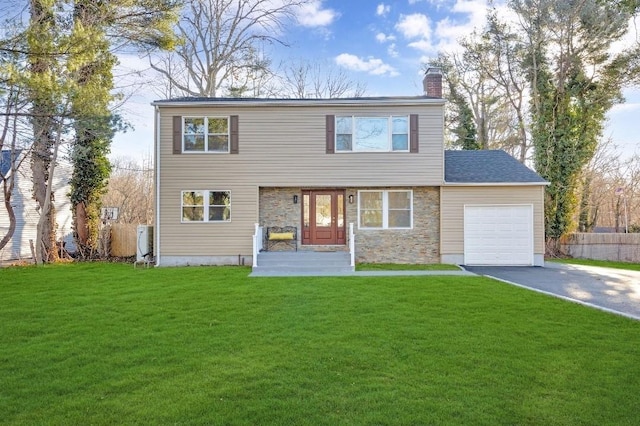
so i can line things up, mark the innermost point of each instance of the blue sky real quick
(381, 43)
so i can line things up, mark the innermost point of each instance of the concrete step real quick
(302, 264)
(304, 259)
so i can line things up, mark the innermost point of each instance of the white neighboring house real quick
(25, 208)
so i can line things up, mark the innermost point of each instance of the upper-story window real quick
(372, 134)
(205, 134)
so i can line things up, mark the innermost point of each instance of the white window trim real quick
(385, 208)
(205, 214)
(206, 134)
(389, 135)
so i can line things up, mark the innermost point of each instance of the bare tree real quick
(308, 79)
(130, 189)
(470, 87)
(609, 182)
(220, 41)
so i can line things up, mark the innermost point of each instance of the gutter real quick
(199, 102)
(456, 184)
(156, 230)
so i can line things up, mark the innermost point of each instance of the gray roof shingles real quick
(486, 166)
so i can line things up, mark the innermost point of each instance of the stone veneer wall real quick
(418, 245)
(277, 209)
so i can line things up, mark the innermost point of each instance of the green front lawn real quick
(602, 263)
(108, 344)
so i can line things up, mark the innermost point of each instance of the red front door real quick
(323, 221)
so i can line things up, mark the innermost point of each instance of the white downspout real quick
(156, 233)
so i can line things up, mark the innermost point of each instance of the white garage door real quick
(498, 235)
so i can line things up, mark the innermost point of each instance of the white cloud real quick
(371, 65)
(392, 51)
(383, 38)
(414, 25)
(383, 9)
(311, 14)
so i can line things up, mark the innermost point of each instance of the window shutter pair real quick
(331, 134)
(233, 134)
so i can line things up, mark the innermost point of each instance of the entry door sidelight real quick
(323, 217)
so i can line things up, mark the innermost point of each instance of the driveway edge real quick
(568, 299)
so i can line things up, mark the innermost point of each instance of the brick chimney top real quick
(433, 82)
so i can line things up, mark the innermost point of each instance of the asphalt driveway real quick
(610, 289)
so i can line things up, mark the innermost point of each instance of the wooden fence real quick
(123, 239)
(614, 247)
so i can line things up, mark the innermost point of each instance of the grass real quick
(106, 344)
(602, 263)
(405, 267)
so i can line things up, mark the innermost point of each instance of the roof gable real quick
(487, 166)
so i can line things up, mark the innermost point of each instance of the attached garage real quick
(498, 235)
(491, 210)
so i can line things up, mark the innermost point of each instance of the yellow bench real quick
(281, 235)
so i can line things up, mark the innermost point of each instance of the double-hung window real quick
(206, 206)
(372, 134)
(388, 209)
(205, 134)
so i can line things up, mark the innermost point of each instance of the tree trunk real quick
(43, 25)
(7, 191)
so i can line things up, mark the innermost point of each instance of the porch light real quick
(351, 199)
(295, 199)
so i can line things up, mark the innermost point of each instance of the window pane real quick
(399, 200)
(400, 125)
(193, 125)
(399, 219)
(340, 210)
(192, 198)
(370, 200)
(343, 125)
(371, 218)
(400, 142)
(343, 143)
(193, 214)
(194, 142)
(305, 207)
(218, 125)
(219, 198)
(219, 143)
(370, 209)
(219, 213)
(323, 210)
(372, 134)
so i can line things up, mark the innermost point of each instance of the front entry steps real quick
(302, 263)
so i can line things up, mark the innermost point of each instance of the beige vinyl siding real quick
(207, 238)
(285, 146)
(279, 146)
(453, 199)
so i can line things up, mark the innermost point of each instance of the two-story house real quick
(224, 165)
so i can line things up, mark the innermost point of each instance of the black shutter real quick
(331, 134)
(233, 124)
(177, 134)
(413, 133)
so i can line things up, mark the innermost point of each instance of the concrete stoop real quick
(302, 263)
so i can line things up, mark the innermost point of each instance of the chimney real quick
(433, 82)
